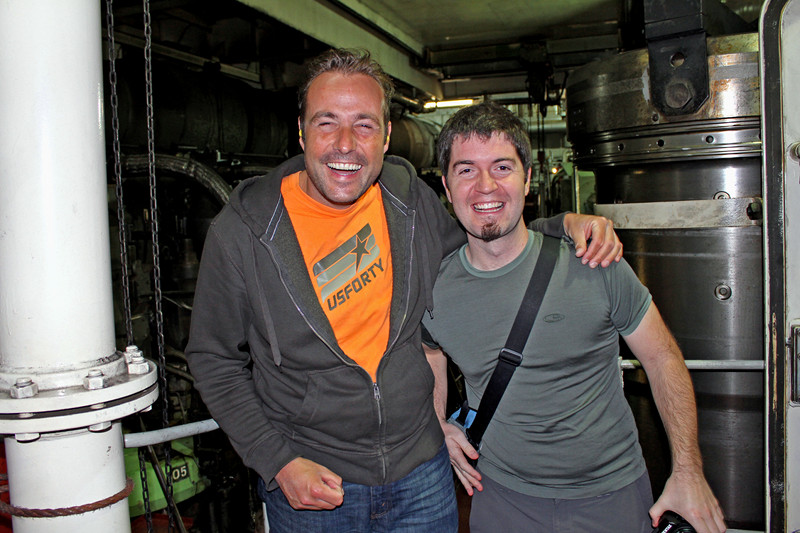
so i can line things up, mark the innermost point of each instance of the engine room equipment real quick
(414, 139)
(684, 191)
(202, 111)
(186, 478)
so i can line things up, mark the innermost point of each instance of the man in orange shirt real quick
(305, 341)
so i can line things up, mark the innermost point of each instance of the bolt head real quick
(94, 381)
(26, 437)
(138, 366)
(24, 388)
(132, 352)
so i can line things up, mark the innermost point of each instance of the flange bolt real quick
(24, 388)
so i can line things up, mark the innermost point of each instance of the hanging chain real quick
(122, 225)
(148, 513)
(157, 296)
(123, 241)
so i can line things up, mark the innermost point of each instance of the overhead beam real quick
(329, 26)
(473, 87)
(389, 28)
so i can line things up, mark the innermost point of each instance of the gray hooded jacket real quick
(265, 358)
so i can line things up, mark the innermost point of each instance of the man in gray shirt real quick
(561, 452)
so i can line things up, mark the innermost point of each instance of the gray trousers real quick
(497, 509)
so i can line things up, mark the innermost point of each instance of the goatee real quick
(490, 232)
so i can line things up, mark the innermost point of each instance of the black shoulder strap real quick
(511, 355)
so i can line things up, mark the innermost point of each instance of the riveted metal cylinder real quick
(704, 270)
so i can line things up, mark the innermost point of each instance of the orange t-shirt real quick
(349, 261)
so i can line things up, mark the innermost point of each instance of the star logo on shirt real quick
(344, 264)
(360, 250)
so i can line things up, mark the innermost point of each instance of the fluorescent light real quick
(449, 103)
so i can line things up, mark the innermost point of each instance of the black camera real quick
(673, 523)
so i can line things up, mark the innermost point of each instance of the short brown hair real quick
(347, 62)
(483, 120)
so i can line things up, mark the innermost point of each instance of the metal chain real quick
(157, 295)
(123, 241)
(116, 150)
(122, 225)
(148, 513)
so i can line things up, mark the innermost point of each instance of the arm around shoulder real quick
(596, 243)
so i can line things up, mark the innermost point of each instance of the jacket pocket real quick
(338, 409)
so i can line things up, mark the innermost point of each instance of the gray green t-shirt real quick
(563, 428)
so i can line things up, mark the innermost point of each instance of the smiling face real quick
(486, 182)
(344, 137)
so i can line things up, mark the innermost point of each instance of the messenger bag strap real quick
(511, 355)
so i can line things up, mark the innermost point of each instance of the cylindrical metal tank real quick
(685, 193)
(415, 140)
(200, 111)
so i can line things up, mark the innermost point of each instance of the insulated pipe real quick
(69, 469)
(160, 436)
(55, 259)
(63, 381)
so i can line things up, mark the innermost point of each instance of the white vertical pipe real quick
(56, 306)
(56, 309)
(67, 470)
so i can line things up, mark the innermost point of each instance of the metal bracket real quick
(679, 73)
(676, 32)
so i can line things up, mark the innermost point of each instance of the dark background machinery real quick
(704, 270)
(226, 75)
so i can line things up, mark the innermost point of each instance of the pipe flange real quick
(29, 408)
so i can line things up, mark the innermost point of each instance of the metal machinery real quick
(679, 171)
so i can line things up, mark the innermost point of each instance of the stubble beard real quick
(336, 196)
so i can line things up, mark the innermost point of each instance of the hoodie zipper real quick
(404, 317)
(376, 392)
(413, 216)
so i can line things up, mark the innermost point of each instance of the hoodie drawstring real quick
(272, 337)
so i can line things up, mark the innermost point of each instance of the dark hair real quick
(347, 62)
(483, 120)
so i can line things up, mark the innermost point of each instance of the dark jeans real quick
(422, 502)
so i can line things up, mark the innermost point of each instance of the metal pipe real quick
(149, 438)
(62, 381)
(700, 364)
(55, 259)
(68, 469)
